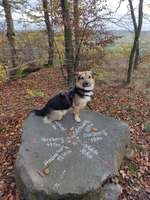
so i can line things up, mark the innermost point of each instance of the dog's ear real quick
(93, 73)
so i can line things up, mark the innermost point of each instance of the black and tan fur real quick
(76, 99)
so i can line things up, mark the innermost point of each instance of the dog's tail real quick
(39, 112)
(42, 112)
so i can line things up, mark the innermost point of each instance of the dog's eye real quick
(82, 77)
(90, 77)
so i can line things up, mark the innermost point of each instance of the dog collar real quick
(82, 92)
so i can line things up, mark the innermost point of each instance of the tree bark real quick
(76, 31)
(50, 33)
(140, 22)
(69, 58)
(10, 35)
(131, 61)
(137, 56)
(134, 57)
(76, 23)
(136, 53)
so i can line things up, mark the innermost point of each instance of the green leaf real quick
(147, 127)
(140, 147)
(38, 93)
(132, 167)
(35, 93)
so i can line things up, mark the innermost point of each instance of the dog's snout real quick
(86, 84)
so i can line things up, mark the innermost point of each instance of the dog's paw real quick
(77, 119)
(46, 120)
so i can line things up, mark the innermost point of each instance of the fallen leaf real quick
(94, 129)
(46, 171)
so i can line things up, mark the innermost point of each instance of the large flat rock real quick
(69, 160)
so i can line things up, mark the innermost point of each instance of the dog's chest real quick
(86, 99)
(82, 101)
(87, 96)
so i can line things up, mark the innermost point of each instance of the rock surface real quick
(69, 160)
(112, 191)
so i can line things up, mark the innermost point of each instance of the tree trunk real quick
(137, 56)
(10, 35)
(137, 31)
(69, 58)
(76, 27)
(50, 33)
(131, 61)
(76, 23)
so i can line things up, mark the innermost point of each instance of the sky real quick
(123, 9)
(112, 5)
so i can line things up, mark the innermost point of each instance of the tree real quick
(50, 32)
(137, 52)
(85, 20)
(76, 31)
(76, 23)
(10, 34)
(134, 54)
(69, 57)
(88, 23)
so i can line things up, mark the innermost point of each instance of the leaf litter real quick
(125, 103)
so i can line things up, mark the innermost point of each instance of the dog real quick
(76, 99)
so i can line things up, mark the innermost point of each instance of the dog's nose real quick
(86, 84)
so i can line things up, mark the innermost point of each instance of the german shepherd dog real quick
(76, 98)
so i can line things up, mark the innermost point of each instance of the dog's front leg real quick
(77, 113)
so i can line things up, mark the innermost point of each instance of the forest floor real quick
(112, 98)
